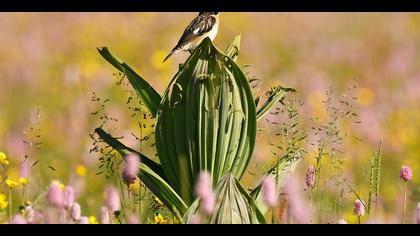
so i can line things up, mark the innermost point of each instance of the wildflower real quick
(269, 191)
(18, 219)
(24, 170)
(3, 159)
(30, 214)
(23, 181)
(132, 219)
(359, 208)
(298, 207)
(76, 211)
(208, 203)
(3, 202)
(55, 194)
(104, 215)
(195, 220)
(92, 220)
(11, 183)
(203, 186)
(131, 169)
(342, 222)
(159, 219)
(406, 173)
(68, 197)
(310, 177)
(112, 199)
(418, 213)
(81, 170)
(84, 220)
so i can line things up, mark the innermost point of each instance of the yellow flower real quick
(159, 219)
(175, 221)
(3, 202)
(3, 159)
(11, 183)
(92, 220)
(135, 187)
(365, 96)
(81, 170)
(23, 181)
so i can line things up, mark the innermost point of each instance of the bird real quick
(206, 24)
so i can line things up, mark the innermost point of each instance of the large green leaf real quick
(275, 95)
(162, 190)
(233, 205)
(145, 91)
(206, 120)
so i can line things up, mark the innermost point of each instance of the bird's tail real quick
(170, 54)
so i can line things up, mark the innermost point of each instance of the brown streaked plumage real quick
(206, 24)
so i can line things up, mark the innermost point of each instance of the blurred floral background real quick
(50, 69)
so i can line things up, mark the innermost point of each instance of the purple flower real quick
(24, 169)
(269, 192)
(68, 197)
(132, 219)
(208, 203)
(310, 177)
(76, 211)
(359, 208)
(104, 215)
(84, 220)
(18, 220)
(112, 199)
(131, 169)
(406, 173)
(55, 195)
(203, 186)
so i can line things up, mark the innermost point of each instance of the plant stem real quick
(10, 204)
(358, 220)
(405, 201)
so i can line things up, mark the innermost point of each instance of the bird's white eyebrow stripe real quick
(196, 30)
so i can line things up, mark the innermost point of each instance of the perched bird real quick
(206, 24)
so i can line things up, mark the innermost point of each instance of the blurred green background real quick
(49, 61)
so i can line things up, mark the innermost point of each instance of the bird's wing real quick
(198, 27)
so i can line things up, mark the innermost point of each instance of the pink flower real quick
(310, 177)
(24, 169)
(104, 215)
(406, 173)
(269, 192)
(18, 220)
(298, 206)
(112, 199)
(208, 203)
(84, 220)
(203, 186)
(131, 168)
(76, 211)
(68, 197)
(55, 195)
(132, 219)
(359, 208)
(195, 220)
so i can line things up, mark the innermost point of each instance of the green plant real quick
(205, 120)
